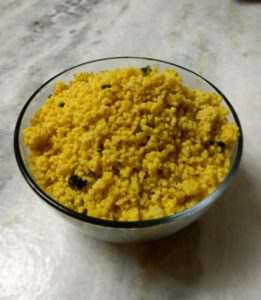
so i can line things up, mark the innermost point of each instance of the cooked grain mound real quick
(130, 144)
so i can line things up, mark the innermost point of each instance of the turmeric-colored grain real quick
(130, 145)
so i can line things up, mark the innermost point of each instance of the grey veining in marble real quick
(217, 257)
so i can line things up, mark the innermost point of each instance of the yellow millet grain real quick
(140, 145)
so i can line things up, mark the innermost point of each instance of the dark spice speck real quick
(146, 70)
(61, 104)
(100, 148)
(105, 86)
(218, 144)
(77, 182)
(138, 129)
(91, 174)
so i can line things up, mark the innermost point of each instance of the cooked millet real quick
(152, 145)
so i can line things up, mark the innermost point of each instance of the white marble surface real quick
(217, 257)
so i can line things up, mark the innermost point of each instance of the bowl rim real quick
(127, 224)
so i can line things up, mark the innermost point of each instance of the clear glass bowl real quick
(113, 230)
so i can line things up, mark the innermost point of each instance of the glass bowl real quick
(116, 231)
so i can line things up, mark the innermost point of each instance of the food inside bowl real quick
(130, 144)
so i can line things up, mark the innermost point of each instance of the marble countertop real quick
(218, 256)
